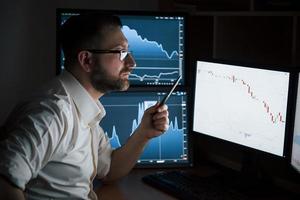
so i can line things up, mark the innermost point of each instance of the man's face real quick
(109, 72)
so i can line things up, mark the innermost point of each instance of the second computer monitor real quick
(295, 156)
(242, 105)
(124, 112)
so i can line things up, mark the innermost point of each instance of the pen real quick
(170, 92)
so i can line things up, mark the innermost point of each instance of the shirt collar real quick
(90, 110)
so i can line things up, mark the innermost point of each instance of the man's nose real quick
(130, 62)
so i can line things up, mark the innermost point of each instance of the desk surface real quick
(131, 187)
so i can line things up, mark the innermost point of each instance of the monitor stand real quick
(252, 180)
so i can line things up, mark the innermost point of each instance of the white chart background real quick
(237, 103)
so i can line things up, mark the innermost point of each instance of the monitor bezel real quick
(59, 11)
(289, 111)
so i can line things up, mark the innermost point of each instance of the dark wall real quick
(28, 42)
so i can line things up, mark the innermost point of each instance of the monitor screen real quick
(242, 105)
(124, 111)
(157, 42)
(295, 157)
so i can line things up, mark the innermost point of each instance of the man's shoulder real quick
(51, 99)
(51, 94)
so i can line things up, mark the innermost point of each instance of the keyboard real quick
(186, 187)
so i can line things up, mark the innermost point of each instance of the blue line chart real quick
(158, 52)
(169, 147)
(157, 45)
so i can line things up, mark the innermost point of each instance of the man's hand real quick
(155, 121)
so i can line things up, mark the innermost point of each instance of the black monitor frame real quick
(186, 77)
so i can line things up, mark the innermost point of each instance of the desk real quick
(131, 187)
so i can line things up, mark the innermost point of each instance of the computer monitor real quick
(124, 111)
(242, 105)
(295, 155)
(156, 39)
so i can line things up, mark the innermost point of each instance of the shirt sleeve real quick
(104, 155)
(32, 138)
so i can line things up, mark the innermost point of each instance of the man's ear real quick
(86, 60)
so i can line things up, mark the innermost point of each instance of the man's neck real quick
(83, 79)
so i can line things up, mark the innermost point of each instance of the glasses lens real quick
(123, 55)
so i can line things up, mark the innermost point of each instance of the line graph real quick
(154, 77)
(169, 147)
(157, 44)
(242, 105)
(274, 118)
(159, 51)
(147, 48)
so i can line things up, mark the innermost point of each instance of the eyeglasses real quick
(123, 53)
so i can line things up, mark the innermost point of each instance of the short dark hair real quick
(83, 32)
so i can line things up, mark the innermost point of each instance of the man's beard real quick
(104, 83)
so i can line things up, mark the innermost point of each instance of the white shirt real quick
(56, 146)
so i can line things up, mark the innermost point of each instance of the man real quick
(55, 146)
